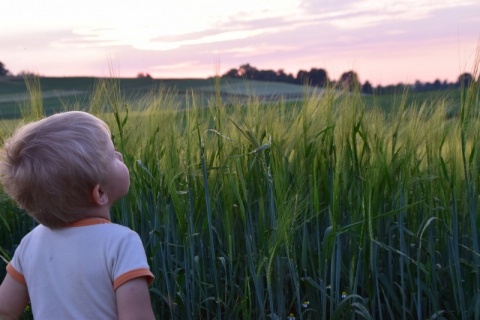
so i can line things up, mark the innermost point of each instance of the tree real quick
(232, 73)
(266, 75)
(283, 77)
(142, 75)
(437, 85)
(419, 86)
(464, 80)
(302, 77)
(314, 77)
(318, 77)
(349, 80)
(3, 70)
(246, 71)
(367, 88)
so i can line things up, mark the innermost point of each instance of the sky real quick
(384, 41)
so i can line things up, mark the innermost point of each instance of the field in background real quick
(61, 93)
(330, 206)
(58, 93)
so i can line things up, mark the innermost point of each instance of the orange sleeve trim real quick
(88, 222)
(137, 273)
(17, 276)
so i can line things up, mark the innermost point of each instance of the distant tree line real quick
(3, 70)
(349, 80)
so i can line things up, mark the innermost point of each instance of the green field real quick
(259, 202)
(58, 93)
(63, 93)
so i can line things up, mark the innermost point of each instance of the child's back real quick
(65, 172)
(73, 268)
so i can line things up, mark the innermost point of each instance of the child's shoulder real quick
(118, 229)
(82, 229)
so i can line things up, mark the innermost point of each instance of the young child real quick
(76, 264)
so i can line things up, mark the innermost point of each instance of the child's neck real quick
(98, 212)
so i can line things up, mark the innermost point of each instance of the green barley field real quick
(327, 206)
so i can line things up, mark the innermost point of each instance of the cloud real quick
(267, 33)
(368, 13)
(255, 50)
(164, 25)
(167, 26)
(144, 40)
(148, 38)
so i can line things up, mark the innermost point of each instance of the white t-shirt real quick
(73, 272)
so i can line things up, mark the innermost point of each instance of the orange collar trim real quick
(88, 222)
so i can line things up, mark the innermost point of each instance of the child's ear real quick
(99, 196)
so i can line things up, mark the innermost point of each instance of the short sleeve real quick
(130, 261)
(15, 274)
(14, 267)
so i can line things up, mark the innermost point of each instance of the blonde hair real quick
(50, 167)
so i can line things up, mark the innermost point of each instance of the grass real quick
(61, 93)
(325, 208)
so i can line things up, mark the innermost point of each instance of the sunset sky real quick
(384, 41)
